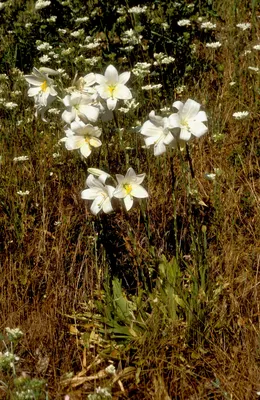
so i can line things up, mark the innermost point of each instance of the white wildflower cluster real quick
(44, 59)
(14, 334)
(52, 19)
(152, 87)
(240, 114)
(81, 19)
(21, 193)
(162, 58)
(244, 26)
(208, 25)
(184, 22)
(20, 158)
(130, 105)
(256, 47)
(254, 69)
(141, 69)
(40, 4)
(78, 33)
(131, 37)
(44, 46)
(213, 45)
(137, 10)
(26, 394)
(10, 105)
(7, 360)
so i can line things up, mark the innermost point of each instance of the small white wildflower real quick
(137, 10)
(214, 45)
(247, 52)
(208, 25)
(28, 25)
(91, 46)
(165, 109)
(184, 22)
(52, 18)
(151, 87)
(210, 177)
(21, 193)
(180, 89)
(127, 48)
(10, 105)
(21, 158)
(82, 19)
(67, 51)
(62, 31)
(44, 46)
(3, 77)
(77, 33)
(56, 155)
(93, 60)
(256, 47)
(165, 26)
(54, 111)
(244, 26)
(111, 369)
(255, 69)
(42, 4)
(121, 10)
(240, 114)
(14, 333)
(44, 59)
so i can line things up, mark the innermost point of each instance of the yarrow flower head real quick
(100, 193)
(244, 26)
(208, 25)
(156, 132)
(82, 137)
(111, 87)
(129, 186)
(42, 4)
(189, 119)
(213, 45)
(240, 114)
(184, 22)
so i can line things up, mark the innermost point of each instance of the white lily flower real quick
(156, 131)
(82, 137)
(129, 186)
(79, 108)
(102, 175)
(100, 193)
(189, 119)
(41, 86)
(111, 87)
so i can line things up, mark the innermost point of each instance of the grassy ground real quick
(169, 292)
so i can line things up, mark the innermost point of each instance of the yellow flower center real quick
(185, 124)
(44, 86)
(128, 188)
(111, 89)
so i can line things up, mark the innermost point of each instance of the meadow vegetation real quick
(158, 299)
